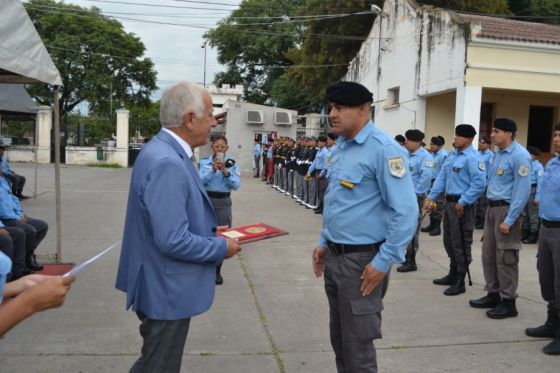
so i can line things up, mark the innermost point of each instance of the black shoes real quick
(458, 287)
(409, 265)
(318, 211)
(548, 330)
(505, 309)
(553, 348)
(488, 301)
(32, 263)
(427, 228)
(447, 280)
(436, 231)
(531, 238)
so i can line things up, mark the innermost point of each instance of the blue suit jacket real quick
(169, 250)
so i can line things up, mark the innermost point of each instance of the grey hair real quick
(179, 99)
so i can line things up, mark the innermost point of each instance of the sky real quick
(175, 49)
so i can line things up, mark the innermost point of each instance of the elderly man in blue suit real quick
(170, 249)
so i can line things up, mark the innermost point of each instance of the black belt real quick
(550, 224)
(533, 185)
(452, 198)
(497, 203)
(218, 194)
(341, 248)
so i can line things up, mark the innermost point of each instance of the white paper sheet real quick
(88, 262)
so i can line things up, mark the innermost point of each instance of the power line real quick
(156, 6)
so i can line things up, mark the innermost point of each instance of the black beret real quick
(465, 130)
(400, 138)
(414, 135)
(438, 140)
(322, 138)
(505, 124)
(486, 139)
(533, 150)
(348, 93)
(557, 127)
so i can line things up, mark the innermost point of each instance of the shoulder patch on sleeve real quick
(237, 172)
(523, 170)
(396, 166)
(481, 166)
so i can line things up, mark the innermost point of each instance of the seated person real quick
(12, 244)
(28, 295)
(16, 180)
(11, 215)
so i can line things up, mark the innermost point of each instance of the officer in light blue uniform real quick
(487, 156)
(220, 176)
(436, 216)
(462, 181)
(369, 217)
(548, 258)
(421, 168)
(531, 212)
(508, 190)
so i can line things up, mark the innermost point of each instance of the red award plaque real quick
(252, 232)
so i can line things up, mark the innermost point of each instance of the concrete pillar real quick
(121, 156)
(44, 126)
(467, 108)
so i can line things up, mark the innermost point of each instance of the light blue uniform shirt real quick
(438, 159)
(487, 156)
(370, 197)
(269, 152)
(215, 181)
(463, 174)
(6, 169)
(320, 162)
(421, 167)
(5, 268)
(537, 171)
(548, 191)
(257, 150)
(10, 207)
(510, 181)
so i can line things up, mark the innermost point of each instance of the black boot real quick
(531, 238)
(436, 230)
(449, 279)
(409, 265)
(219, 278)
(488, 301)
(429, 227)
(524, 234)
(504, 310)
(553, 348)
(458, 287)
(32, 264)
(549, 329)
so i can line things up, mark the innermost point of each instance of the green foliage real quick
(104, 165)
(325, 43)
(538, 8)
(253, 49)
(478, 6)
(99, 62)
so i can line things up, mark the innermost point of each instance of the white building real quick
(431, 69)
(224, 93)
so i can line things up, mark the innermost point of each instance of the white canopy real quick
(23, 57)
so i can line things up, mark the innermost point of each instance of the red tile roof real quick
(507, 29)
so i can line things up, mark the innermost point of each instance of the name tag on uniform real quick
(500, 171)
(347, 184)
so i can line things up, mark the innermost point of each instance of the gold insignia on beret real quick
(396, 166)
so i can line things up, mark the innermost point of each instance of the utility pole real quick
(203, 46)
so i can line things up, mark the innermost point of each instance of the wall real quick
(527, 67)
(21, 153)
(422, 52)
(240, 134)
(440, 118)
(84, 155)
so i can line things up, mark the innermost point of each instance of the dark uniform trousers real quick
(355, 320)
(222, 208)
(481, 207)
(35, 230)
(500, 253)
(548, 265)
(414, 244)
(437, 214)
(458, 235)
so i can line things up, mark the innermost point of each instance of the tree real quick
(99, 62)
(479, 6)
(253, 49)
(550, 9)
(328, 46)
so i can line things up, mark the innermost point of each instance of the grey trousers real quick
(355, 320)
(548, 264)
(500, 253)
(312, 194)
(257, 165)
(222, 208)
(531, 213)
(35, 230)
(163, 345)
(458, 245)
(299, 181)
(285, 175)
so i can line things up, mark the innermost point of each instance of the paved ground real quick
(271, 313)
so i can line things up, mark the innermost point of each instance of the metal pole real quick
(57, 176)
(204, 46)
(36, 151)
